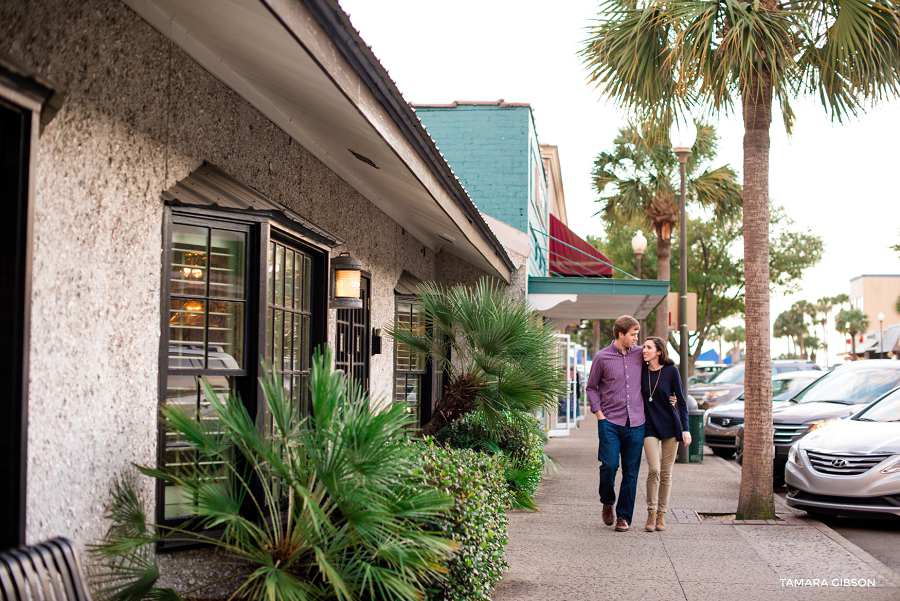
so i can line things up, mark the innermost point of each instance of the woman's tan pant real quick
(660, 456)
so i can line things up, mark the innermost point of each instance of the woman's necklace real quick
(653, 387)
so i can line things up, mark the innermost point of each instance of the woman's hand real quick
(673, 399)
(686, 436)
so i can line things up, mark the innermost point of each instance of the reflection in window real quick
(207, 321)
(410, 369)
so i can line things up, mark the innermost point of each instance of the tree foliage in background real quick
(851, 322)
(715, 270)
(639, 181)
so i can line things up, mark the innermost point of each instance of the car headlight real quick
(715, 394)
(794, 456)
(891, 469)
(821, 423)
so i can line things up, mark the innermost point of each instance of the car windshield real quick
(885, 410)
(785, 390)
(732, 375)
(851, 386)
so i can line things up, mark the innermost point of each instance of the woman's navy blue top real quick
(663, 420)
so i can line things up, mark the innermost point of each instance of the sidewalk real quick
(565, 552)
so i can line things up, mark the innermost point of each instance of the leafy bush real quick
(477, 522)
(520, 445)
(331, 507)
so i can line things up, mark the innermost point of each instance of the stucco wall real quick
(139, 115)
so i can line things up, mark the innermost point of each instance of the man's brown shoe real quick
(608, 515)
(621, 525)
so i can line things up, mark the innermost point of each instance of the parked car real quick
(852, 467)
(838, 394)
(729, 383)
(705, 373)
(722, 422)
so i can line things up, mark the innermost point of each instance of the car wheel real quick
(723, 452)
(739, 455)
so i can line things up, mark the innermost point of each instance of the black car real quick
(836, 395)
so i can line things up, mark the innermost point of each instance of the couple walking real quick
(636, 394)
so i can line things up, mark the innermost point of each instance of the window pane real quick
(226, 335)
(227, 264)
(278, 355)
(289, 279)
(288, 341)
(279, 275)
(299, 278)
(187, 333)
(304, 344)
(296, 354)
(271, 285)
(307, 283)
(189, 260)
(270, 324)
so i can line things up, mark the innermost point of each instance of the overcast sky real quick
(837, 180)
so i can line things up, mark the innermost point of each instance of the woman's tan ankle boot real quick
(660, 521)
(651, 521)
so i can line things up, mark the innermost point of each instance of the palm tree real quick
(736, 336)
(783, 328)
(851, 322)
(716, 333)
(662, 58)
(824, 306)
(499, 357)
(799, 311)
(643, 176)
(813, 344)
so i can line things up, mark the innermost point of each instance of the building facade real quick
(187, 173)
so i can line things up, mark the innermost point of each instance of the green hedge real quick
(477, 521)
(521, 448)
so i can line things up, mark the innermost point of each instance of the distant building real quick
(873, 294)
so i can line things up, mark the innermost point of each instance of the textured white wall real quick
(138, 116)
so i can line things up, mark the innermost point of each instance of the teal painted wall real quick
(494, 152)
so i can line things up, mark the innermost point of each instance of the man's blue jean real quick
(629, 442)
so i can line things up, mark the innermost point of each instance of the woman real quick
(667, 425)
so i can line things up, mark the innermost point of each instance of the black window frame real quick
(431, 383)
(261, 230)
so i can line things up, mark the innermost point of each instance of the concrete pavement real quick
(565, 552)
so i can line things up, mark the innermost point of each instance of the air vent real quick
(365, 160)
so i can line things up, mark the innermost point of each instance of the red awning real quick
(572, 256)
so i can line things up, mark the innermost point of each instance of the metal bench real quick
(48, 571)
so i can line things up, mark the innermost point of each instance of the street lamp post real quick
(639, 245)
(682, 137)
(880, 332)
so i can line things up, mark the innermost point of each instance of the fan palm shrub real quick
(498, 356)
(328, 507)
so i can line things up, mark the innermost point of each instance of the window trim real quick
(427, 390)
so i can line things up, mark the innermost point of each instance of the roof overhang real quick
(303, 66)
(567, 300)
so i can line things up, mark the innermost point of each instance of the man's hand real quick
(599, 415)
(686, 436)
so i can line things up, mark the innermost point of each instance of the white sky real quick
(837, 180)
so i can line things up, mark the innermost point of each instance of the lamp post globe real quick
(639, 246)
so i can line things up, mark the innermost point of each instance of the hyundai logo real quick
(839, 463)
(726, 421)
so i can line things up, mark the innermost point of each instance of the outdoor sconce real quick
(345, 277)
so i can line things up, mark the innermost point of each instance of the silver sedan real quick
(851, 467)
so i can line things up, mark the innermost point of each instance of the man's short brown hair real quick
(624, 325)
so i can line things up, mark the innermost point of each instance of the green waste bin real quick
(694, 452)
(695, 420)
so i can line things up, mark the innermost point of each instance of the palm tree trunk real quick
(756, 499)
(456, 402)
(663, 273)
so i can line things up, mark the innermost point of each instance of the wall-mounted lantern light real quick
(345, 277)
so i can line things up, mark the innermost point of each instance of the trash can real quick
(694, 452)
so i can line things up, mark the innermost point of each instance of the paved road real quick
(878, 538)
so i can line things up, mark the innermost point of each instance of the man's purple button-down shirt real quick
(614, 385)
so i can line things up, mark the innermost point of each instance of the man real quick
(614, 392)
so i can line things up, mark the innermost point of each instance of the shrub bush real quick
(477, 521)
(520, 445)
